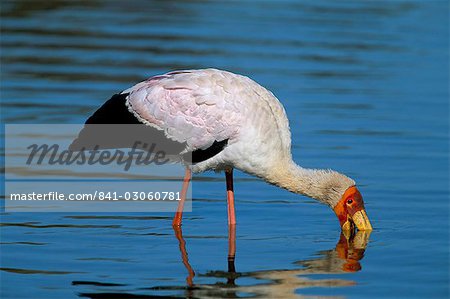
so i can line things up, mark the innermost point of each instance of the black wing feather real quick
(115, 112)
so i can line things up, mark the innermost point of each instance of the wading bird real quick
(224, 121)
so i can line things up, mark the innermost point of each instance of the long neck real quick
(326, 186)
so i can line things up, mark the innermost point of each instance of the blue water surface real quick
(365, 87)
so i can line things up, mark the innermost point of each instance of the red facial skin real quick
(350, 203)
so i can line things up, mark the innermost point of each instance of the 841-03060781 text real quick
(99, 196)
(160, 195)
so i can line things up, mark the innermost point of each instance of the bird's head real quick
(340, 193)
(350, 211)
(329, 187)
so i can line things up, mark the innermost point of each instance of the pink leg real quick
(231, 247)
(179, 214)
(230, 197)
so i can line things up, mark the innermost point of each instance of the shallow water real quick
(365, 86)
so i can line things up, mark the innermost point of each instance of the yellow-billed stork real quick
(226, 121)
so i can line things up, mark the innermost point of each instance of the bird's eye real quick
(349, 201)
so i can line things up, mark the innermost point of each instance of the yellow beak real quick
(361, 220)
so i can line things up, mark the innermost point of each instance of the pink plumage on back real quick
(196, 106)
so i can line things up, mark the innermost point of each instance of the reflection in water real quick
(344, 258)
(184, 256)
(282, 283)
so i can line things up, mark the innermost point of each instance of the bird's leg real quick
(231, 223)
(231, 247)
(179, 214)
(230, 196)
(184, 256)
